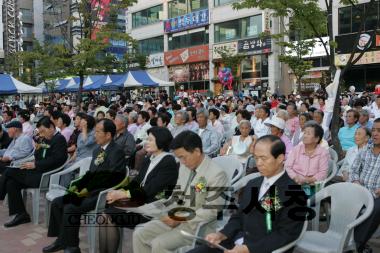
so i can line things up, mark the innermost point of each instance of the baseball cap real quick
(16, 124)
(277, 122)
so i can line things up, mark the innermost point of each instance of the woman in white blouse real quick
(239, 145)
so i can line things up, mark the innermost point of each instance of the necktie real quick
(191, 177)
(264, 189)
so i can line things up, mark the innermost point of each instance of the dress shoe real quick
(72, 250)
(20, 218)
(55, 246)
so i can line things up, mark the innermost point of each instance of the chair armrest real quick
(45, 179)
(101, 202)
(54, 179)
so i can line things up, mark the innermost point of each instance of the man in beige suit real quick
(201, 182)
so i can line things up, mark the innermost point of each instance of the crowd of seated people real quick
(169, 145)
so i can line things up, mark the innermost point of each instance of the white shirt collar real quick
(105, 146)
(273, 179)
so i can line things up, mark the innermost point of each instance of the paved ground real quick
(29, 238)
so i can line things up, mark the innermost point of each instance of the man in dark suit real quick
(48, 156)
(106, 170)
(266, 218)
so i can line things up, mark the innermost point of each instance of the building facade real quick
(181, 39)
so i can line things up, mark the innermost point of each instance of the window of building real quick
(147, 16)
(238, 29)
(27, 31)
(255, 66)
(152, 45)
(350, 17)
(223, 2)
(26, 13)
(188, 40)
(182, 7)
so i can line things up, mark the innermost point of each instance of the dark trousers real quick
(228, 244)
(65, 218)
(364, 231)
(12, 181)
(3, 166)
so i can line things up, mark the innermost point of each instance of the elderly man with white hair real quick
(180, 118)
(210, 138)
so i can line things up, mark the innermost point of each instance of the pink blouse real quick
(302, 165)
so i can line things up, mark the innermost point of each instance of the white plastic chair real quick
(347, 201)
(333, 170)
(292, 244)
(100, 207)
(244, 180)
(56, 190)
(230, 166)
(333, 155)
(36, 192)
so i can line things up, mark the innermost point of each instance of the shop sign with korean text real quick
(186, 22)
(255, 46)
(155, 60)
(231, 48)
(187, 55)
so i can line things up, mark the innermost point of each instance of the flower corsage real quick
(200, 186)
(45, 147)
(100, 158)
(270, 204)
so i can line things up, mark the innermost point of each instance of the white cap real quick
(298, 96)
(37, 106)
(277, 122)
(250, 108)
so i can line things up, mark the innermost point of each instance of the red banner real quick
(187, 55)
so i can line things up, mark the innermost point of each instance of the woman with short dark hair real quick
(86, 139)
(156, 179)
(307, 163)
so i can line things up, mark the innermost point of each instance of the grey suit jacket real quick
(214, 177)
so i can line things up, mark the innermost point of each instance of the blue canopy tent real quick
(64, 83)
(10, 85)
(73, 87)
(97, 85)
(138, 78)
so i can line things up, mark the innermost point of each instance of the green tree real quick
(89, 55)
(294, 57)
(308, 16)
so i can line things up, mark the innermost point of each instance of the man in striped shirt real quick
(366, 172)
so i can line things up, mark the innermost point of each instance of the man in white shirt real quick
(375, 108)
(252, 228)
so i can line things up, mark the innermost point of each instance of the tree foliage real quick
(294, 56)
(89, 55)
(313, 19)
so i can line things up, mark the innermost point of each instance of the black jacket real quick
(106, 174)
(250, 220)
(161, 179)
(55, 157)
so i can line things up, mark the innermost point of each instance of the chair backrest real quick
(332, 171)
(347, 201)
(243, 181)
(85, 165)
(333, 155)
(230, 165)
(251, 163)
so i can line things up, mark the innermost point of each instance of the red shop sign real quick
(187, 55)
